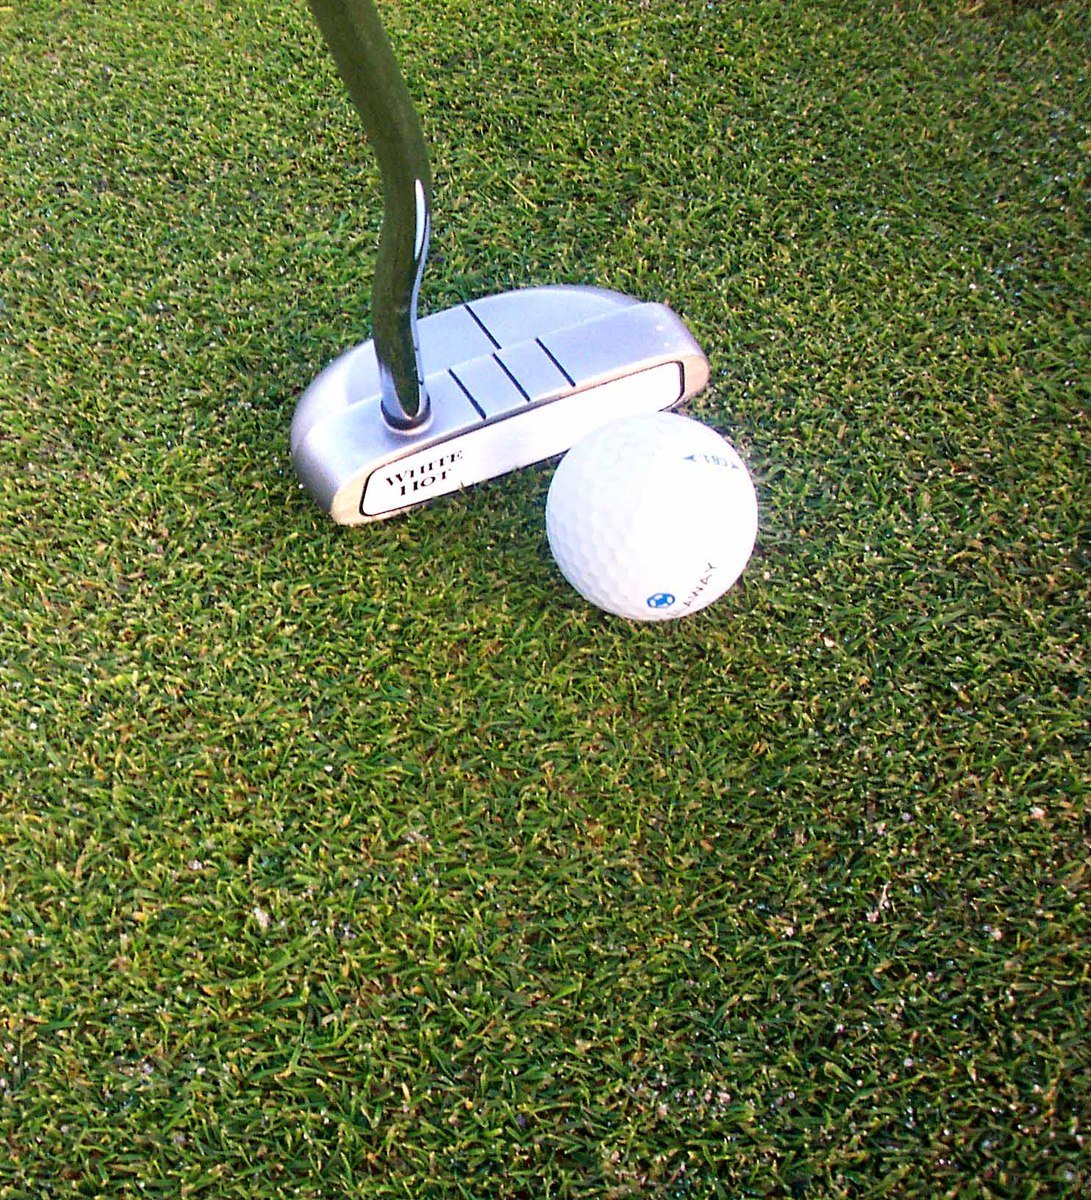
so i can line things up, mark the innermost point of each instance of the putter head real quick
(513, 379)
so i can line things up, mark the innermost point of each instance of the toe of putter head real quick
(513, 379)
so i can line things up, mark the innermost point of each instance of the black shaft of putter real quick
(367, 66)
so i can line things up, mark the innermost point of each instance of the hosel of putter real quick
(367, 66)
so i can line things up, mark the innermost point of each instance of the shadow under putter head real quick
(431, 406)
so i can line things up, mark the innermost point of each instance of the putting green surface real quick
(374, 863)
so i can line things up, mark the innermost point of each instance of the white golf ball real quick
(652, 517)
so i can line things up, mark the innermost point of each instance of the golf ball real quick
(652, 517)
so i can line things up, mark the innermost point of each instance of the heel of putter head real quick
(513, 379)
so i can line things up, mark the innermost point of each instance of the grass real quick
(376, 864)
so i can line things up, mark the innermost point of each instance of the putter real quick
(432, 405)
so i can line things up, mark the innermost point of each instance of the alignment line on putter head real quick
(484, 327)
(468, 394)
(434, 405)
(559, 366)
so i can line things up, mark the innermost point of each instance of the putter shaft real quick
(367, 66)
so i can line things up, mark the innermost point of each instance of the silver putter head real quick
(513, 379)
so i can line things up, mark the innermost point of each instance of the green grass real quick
(374, 863)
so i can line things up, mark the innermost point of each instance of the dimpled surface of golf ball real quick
(652, 517)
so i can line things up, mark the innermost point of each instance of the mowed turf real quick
(374, 863)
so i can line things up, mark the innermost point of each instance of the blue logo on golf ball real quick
(660, 600)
